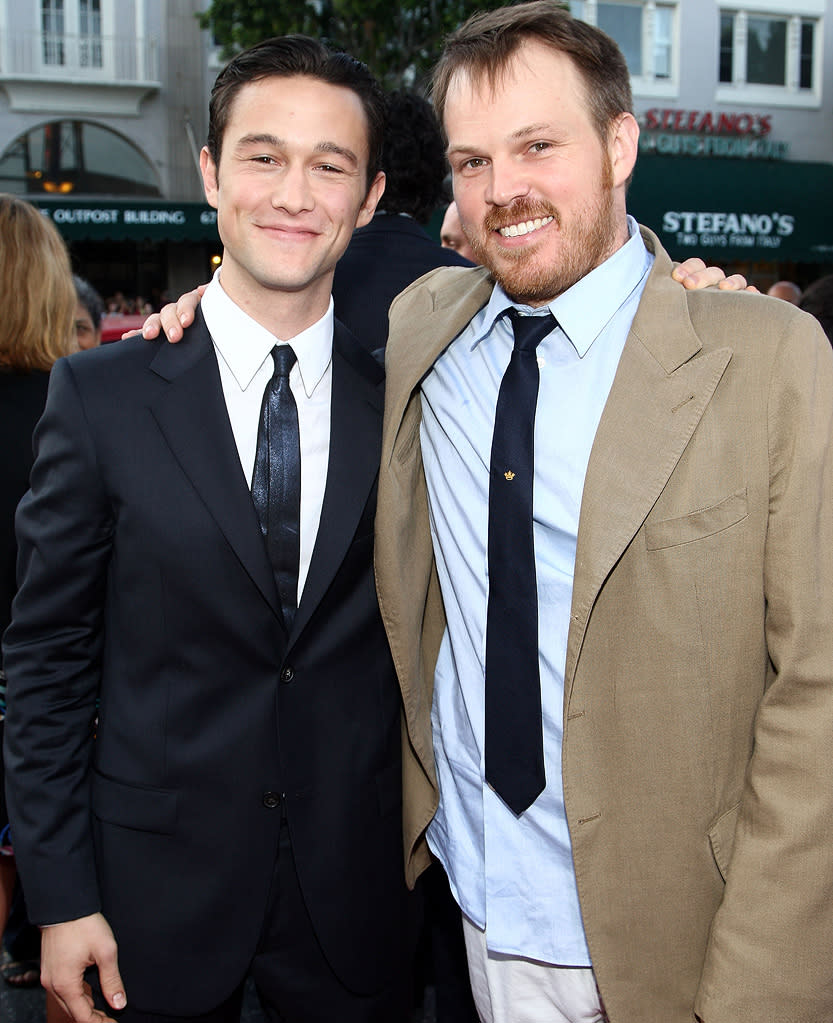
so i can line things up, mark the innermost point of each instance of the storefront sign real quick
(116, 220)
(745, 136)
(736, 210)
(728, 230)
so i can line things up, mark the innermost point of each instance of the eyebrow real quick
(265, 139)
(516, 136)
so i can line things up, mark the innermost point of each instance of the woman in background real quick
(36, 328)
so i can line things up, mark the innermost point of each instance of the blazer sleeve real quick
(769, 953)
(52, 654)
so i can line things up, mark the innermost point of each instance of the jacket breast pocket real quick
(698, 524)
(133, 806)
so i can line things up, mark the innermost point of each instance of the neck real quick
(284, 313)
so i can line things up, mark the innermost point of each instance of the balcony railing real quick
(79, 58)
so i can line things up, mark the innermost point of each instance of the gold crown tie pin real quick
(509, 475)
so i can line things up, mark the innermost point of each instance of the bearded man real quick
(603, 559)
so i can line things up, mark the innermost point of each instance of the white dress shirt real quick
(244, 354)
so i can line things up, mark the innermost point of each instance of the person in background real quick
(787, 291)
(451, 234)
(39, 303)
(394, 249)
(603, 556)
(88, 313)
(818, 301)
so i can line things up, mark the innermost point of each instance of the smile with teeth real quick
(513, 230)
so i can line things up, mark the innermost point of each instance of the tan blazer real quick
(698, 708)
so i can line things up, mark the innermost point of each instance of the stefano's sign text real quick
(674, 132)
(727, 230)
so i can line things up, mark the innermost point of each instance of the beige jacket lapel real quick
(658, 396)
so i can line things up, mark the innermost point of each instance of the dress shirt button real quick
(271, 800)
(287, 674)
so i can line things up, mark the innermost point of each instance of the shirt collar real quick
(244, 344)
(584, 310)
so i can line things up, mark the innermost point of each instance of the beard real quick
(524, 274)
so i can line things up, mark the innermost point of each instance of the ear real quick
(624, 146)
(371, 200)
(210, 183)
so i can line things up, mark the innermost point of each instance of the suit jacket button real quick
(287, 674)
(271, 800)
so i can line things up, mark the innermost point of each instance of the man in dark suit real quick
(393, 250)
(204, 778)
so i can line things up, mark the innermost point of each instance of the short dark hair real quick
(818, 300)
(286, 57)
(89, 299)
(413, 158)
(485, 44)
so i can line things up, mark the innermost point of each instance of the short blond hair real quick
(36, 289)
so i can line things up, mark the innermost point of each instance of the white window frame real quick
(787, 95)
(648, 84)
(72, 42)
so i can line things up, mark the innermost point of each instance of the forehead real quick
(538, 83)
(301, 108)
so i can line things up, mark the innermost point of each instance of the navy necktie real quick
(514, 730)
(276, 482)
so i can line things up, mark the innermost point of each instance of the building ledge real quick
(64, 95)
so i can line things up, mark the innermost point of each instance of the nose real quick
(507, 182)
(293, 192)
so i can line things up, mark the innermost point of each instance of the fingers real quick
(110, 980)
(67, 949)
(688, 267)
(737, 282)
(151, 326)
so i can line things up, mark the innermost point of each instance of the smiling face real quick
(542, 199)
(290, 187)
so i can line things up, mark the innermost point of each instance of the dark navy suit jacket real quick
(382, 259)
(146, 586)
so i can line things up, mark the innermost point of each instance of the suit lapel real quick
(355, 444)
(192, 415)
(658, 397)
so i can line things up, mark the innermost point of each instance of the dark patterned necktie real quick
(276, 482)
(514, 729)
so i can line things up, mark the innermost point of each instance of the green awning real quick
(751, 210)
(102, 219)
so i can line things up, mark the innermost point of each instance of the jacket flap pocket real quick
(132, 806)
(722, 838)
(697, 525)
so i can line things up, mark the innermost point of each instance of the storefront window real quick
(75, 157)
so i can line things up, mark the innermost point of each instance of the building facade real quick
(735, 103)
(103, 110)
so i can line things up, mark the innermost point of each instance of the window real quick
(624, 23)
(89, 32)
(52, 23)
(775, 51)
(71, 32)
(645, 32)
(62, 157)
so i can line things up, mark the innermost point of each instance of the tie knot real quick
(530, 330)
(285, 358)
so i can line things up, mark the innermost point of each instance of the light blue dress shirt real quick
(514, 875)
